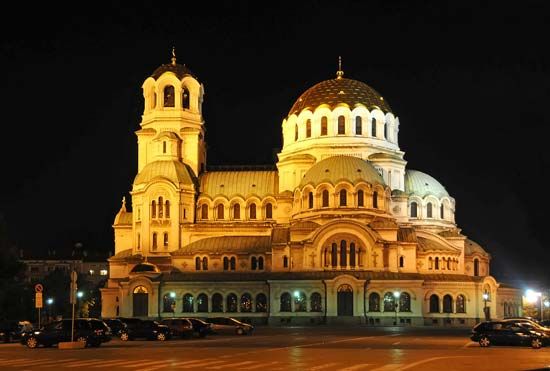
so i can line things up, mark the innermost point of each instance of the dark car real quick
(507, 333)
(530, 324)
(228, 325)
(12, 330)
(91, 331)
(116, 326)
(144, 329)
(181, 327)
(200, 328)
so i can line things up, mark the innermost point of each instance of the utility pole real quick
(74, 277)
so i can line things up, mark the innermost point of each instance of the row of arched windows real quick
(324, 198)
(160, 209)
(341, 127)
(343, 255)
(429, 210)
(511, 309)
(169, 97)
(236, 212)
(390, 302)
(299, 302)
(445, 263)
(229, 263)
(450, 305)
(343, 199)
(155, 242)
(217, 304)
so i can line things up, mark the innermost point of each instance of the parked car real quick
(228, 325)
(89, 330)
(530, 324)
(180, 327)
(12, 330)
(116, 326)
(200, 328)
(507, 333)
(144, 329)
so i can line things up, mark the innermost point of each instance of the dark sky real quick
(468, 80)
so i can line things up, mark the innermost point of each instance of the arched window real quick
(389, 302)
(202, 303)
(268, 211)
(343, 197)
(261, 263)
(310, 200)
(185, 98)
(163, 147)
(404, 302)
(296, 132)
(429, 210)
(154, 102)
(385, 130)
(231, 303)
(236, 211)
(220, 211)
(232, 263)
(430, 263)
(261, 303)
(434, 304)
(160, 207)
(217, 303)
(165, 237)
(447, 304)
(187, 303)
(246, 303)
(315, 302)
(300, 302)
(360, 198)
(341, 125)
(167, 209)
(204, 211)
(374, 302)
(436, 263)
(352, 253)
(401, 262)
(325, 198)
(154, 240)
(168, 303)
(225, 263)
(285, 261)
(476, 267)
(138, 241)
(449, 264)
(153, 209)
(375, 200)
(252, 211)
(343, 254)
(334, 255)
(442, 211)
(414, 210)
(373, 127)
(205, 263)
(197, 263)
(308, 128)
(460, 304)
(253, 263)
(169, 96)
(358, 125)
(285, 303)
(324, 126)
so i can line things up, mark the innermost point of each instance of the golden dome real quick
(337, 91)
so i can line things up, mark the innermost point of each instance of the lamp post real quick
(49, 301)
(534, 296)
(173, 305)
(396, 295)
(485, 299)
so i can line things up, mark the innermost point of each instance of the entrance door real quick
(345, 300)
(141, 302)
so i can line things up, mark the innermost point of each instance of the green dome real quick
(173, 171)
(341, 168)
(421, 184)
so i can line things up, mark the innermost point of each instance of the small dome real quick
(421, 184)
(179, 70)
(340, 90)
(145, 268)
(174, 171)
(337, 168)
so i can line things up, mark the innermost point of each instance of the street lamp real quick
(79, 294)
(533, 297)
(485, 299)
(396, 295)
(173, 304)
(49, 301)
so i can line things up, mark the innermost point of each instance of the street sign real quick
(38, 300)
(38, 288)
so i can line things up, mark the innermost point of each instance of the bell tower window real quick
(155, 241)
(341, 125)
(252, 211)
(167, 209)
(325, 198)
(204, 212)
(269, 211)
(442, 211)
(220, 212)
(153, 209)
(360, 198)
(310, 200)
(414, 210)
(308, 129)
(373, 128)
(185, 98)
(163, 147)
(324, 126)
(169, 96)
(343, 198)
(358, 125)
(236, 211)
(429, 210)
(160, 208)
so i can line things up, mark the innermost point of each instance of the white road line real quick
(204, 364)
(118, 363)
(171, 365)
(84, 363)
(40, 362)
(388, 367)
(231, 365)
(16, 361)
(355, 367)
(327, 365)
(411, 365)
(261, 365)
(396, 343)
(147, 363)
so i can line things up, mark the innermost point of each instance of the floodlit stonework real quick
(340, 230)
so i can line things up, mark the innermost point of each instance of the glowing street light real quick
(49, 301)
(396, 295)
(533, 297)
(79, 294)
(485, 299)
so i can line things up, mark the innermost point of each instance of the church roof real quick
(171, 170)
(406, 234)
(341, 168)
(428, 245)
(338, 91)
(422, 184)
(179, 70)
(227, 244)
(243, 183)
(471, 247)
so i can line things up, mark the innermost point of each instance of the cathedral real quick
(340, 229)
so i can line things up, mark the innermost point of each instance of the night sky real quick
(469, 82)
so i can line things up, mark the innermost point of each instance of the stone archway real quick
(345, 300)
(140, 297)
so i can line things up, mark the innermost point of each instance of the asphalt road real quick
(291, 348)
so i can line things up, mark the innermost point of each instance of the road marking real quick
(40, 362)
(171, 365)
(230, 365)
(429, 360)
(388, 367)
(328, 365)
(118, 363)
(204, 364)
(469, 344)
(355, 367)
(261, 365)
(396, 343)
(84, 363)
(15, 361)
(146, 363)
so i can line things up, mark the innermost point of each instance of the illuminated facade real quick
(340, 229)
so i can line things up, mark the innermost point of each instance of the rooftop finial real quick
(174, 55)
(123, 207)
(339, 73)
